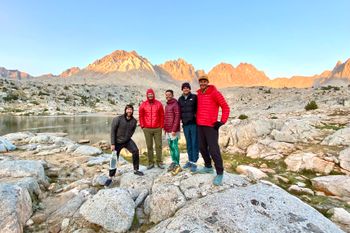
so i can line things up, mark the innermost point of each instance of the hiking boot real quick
(193, 167)
(150, 166)
(171, 167)
(161, 165)
(108, 183)
(218, 180)
(139, 173)
(187, 165)
(176, 170)
(205, 170)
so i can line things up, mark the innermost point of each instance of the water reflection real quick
(93, 127)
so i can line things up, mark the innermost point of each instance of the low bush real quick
(311, 106)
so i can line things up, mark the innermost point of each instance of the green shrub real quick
(243, 117)
(311, 106)
(329, 87)
(11, 96)
(267, 91)
(84, 99)
(66, 88)
(111, 101)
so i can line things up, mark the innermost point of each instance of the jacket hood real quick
(150, 91)
(209, 90)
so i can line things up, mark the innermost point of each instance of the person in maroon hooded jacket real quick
(209, 101)
(151, 117)
(172, 130)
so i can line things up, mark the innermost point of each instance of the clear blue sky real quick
(282, 38)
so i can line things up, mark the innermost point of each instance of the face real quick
(129, 111)
(168, 96)
(150, 96)
(186, 90)
(203, 84)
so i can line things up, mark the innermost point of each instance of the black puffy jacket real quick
(188, 108)
(122, 129)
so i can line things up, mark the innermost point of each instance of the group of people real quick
(199, 115)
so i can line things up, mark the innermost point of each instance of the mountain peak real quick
(13, 74)
(69, 72)
(224, 75)
(121, 61)
(179, 69)
(341, 70)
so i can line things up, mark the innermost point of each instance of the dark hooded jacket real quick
(172, 116)
(122, 129)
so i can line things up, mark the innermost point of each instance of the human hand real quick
(217, 125)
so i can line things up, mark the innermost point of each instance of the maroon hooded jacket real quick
(172, 116)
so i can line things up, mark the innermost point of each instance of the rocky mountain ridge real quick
(129, 68)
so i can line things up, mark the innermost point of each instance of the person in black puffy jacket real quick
(188, 108)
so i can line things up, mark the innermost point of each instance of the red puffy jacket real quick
(172, 116)
(151, 113)
(208, 107)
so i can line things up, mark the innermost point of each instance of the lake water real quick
(92, 127)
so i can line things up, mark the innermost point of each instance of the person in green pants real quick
(172, 130)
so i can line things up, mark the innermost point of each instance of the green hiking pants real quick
(156, 135)
(174, 150)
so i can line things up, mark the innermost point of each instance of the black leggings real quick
(130, 146)
(208, 138)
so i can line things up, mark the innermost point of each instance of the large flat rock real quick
(15, 208)
(251, 209)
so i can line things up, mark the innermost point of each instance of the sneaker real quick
(171, 167)
(108, 182)
(218, 180)
(187, 165)
(161, 165)
(150, 166)
(139, 173)
(204, 170)
(176, 170)
(193, 167)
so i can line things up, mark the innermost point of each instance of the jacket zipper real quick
(151, 115)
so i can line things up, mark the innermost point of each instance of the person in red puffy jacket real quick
(151, 117)
(209, 101)
(172, 130)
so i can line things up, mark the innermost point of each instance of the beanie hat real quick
(186, 85)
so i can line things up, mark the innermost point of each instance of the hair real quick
(171, 91)
(129, 106)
